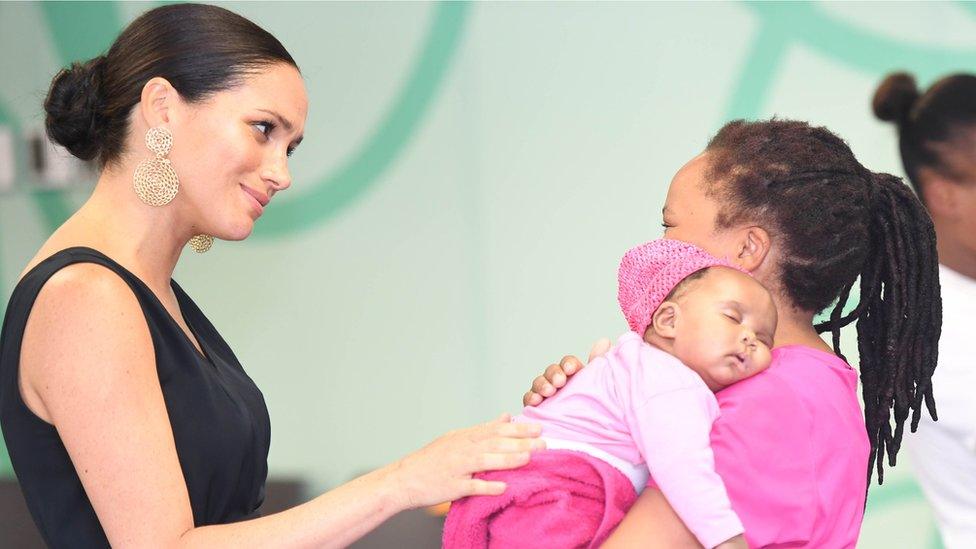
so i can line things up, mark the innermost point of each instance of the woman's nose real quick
(278, 174)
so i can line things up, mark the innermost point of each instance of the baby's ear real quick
(664, 319)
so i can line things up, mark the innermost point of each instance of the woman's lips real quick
(260, 199)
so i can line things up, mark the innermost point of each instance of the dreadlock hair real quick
(833, 222)
(936, 129)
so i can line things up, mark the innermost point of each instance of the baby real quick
(645, 409)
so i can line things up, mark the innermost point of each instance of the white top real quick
(944, 452)
(637, 473)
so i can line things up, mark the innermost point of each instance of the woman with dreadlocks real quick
(937, 138)
(789, 203)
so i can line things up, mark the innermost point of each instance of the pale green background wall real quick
(471, 174)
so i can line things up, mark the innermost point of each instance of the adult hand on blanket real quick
(556, 375)
(442, 470)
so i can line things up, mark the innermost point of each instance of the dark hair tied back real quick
(895, 97)
(899, 317)
(72, 108)
(836, 223)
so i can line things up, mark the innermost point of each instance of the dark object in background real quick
(414, 529)
(16, 526)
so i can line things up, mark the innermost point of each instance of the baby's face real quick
(724, 330)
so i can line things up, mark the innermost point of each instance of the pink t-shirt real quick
(792, 448)
(642, 405)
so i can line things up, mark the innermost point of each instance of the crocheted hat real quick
(650, 271)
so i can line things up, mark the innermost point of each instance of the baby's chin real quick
(725, 375)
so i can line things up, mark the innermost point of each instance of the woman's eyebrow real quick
(281, 119)
(285, 123)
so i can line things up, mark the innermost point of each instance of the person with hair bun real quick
(789, 203)
(128, 419)
(937, 140)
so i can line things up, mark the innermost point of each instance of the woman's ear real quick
(665, 318)
(158, 99)
(753, 248)
(940, 196)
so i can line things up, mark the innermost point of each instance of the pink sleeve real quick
(671, 430)
(762, 452)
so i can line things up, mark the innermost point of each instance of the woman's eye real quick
(265, 127)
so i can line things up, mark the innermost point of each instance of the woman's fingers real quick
(541, 385)
(496, 462)
(556, 375)
(478, 487)
(505, 417)
(531, 398)
(517, 430)
(599, 348)
(515, 445)
(500, 428)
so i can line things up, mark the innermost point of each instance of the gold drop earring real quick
(201, 243)
(155, 181)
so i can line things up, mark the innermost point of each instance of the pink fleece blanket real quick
(560, 499)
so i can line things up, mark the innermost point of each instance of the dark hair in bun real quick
(72, 107)
(936, 129)
(199, 49)
(894, 97)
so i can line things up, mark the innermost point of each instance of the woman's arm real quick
(88, 367)
(651, 524)
(343, 515)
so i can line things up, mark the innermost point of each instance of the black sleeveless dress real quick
(219, 419)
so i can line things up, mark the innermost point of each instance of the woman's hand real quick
(556, 375)
(442, 470)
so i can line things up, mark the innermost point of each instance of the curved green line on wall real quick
(786, 24)
(349, 183)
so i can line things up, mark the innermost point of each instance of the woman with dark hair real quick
(789, 203)
(127, 417)
(937, 139)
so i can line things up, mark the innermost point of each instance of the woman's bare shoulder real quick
(84, 317)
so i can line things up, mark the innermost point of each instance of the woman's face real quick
(231, 151)
(689, 214)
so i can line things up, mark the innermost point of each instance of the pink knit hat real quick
(650, 271)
